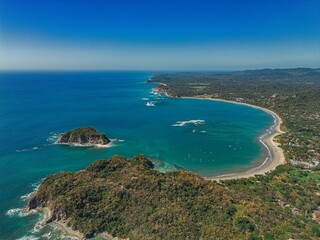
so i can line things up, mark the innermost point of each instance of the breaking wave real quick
(183, 123)
(150, 104)
(54, 137)
(20, 212)
(28, 149)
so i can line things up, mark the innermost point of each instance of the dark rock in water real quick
(84, 136)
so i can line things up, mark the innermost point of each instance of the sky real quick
(159, 34)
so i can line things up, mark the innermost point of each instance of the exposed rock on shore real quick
(87, 136)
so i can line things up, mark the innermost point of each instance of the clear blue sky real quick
(159, 35)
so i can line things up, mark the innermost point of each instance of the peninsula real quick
(87, 136)
(127, 198)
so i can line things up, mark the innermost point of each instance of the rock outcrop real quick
(87, 136)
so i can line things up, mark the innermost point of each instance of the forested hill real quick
(129, 199)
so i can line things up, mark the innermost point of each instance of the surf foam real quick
(183, 123)
(150, 104)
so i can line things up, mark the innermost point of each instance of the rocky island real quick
(128, 198)
(87, 136)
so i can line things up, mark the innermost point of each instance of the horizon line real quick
(150, 70)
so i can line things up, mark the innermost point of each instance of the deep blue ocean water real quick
(207, 137)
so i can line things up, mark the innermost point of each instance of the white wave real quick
(13, 211)
(46, 235)
(40, 225)
(54, 137)
(203, 131)
(26, 196)
(183, 123)
(28, 238)
(22, 150)
(145, 99)
(150, 104)
(20, 212)
(27, 149)
(109, 145)
(81, 145)
(37, 227)
(35, 187)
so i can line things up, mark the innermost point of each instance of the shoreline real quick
(275, 154)
(68, 231)
(87, 145)
(61, 225)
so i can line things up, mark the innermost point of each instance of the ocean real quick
(206, 137)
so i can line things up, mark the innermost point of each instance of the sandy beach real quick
(275, 153)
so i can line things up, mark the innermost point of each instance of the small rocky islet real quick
(86, 136)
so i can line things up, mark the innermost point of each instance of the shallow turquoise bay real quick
(207, 137)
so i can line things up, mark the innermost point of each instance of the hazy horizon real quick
(159, 35)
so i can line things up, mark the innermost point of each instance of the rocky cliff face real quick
(84, 136)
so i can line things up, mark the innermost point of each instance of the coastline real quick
(275, 153)
(61, 225)
(87, 145)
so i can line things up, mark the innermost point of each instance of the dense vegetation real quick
(128, 198)
(85, 135)
(292, 93)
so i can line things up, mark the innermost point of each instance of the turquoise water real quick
(207, 137)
